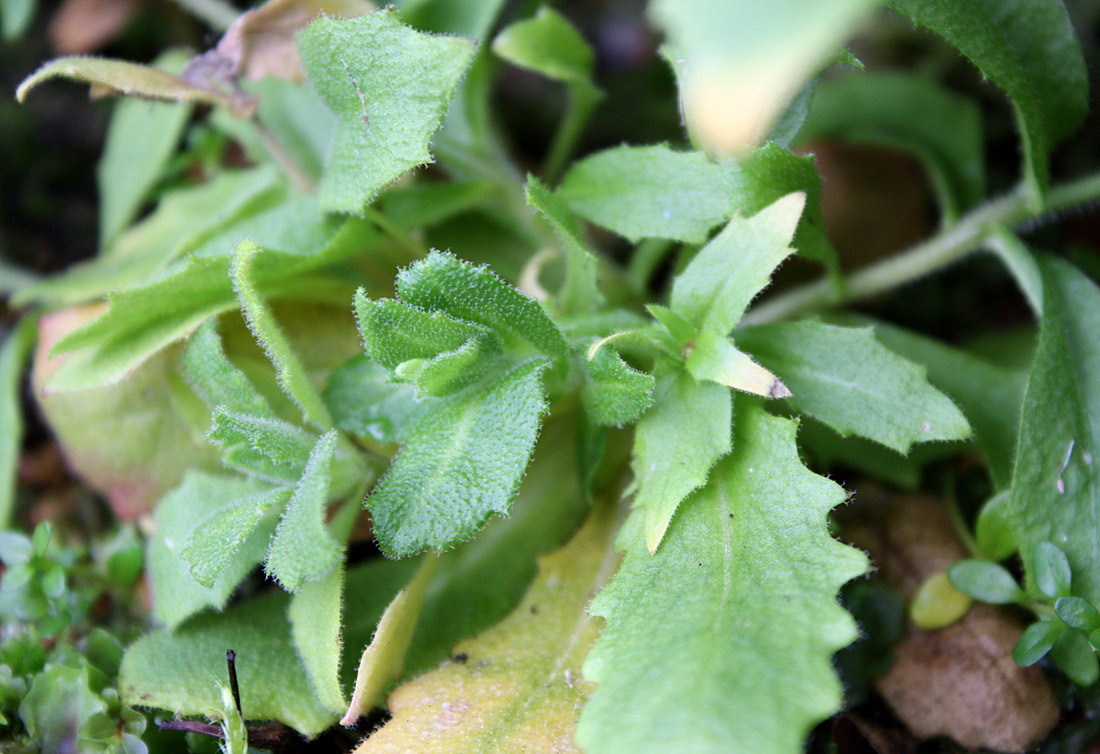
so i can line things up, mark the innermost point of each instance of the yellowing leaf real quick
(714, 358)
(517, 687)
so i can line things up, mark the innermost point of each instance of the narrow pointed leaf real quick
(745, 585)
(580, 292)
(1056, 487)
(715, 359)
(844, 378)
(384, 657)
(215, 379)
(1028, 48)
(388, 86)
(517, 686)
(460, 463)
(302, 548)
(676, 443)
(442, 282)
(724, 277)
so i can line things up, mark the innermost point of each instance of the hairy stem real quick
(943, 249)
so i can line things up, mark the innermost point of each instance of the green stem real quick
(644, 261)
(583, 98)
(943, 249)
(216, 13)
(297, 176)
(396, 233)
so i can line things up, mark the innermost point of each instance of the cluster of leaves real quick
(58, 674)
(483, 423)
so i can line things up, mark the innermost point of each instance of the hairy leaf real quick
(269, 448)
(214, 379)
(142, 320)
(912, 113)
(1028, 48)
(388, 86)
(745, 585)
(442, 282)
(714, 358)
(216, 539)
(580, 292)
(121, 77)
(843, 377)
(518, 685)
(302, 548)
(724, 277)
(15, 348)
(460, 463)
(735, 81)
(176, 594)
(365, 403)
(676, 443)
(614, 393)
(1056, 486)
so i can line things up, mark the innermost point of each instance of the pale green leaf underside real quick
(1056, 487)
(676, 443)
(912, 113)
(388, 86)
(844, 378)
(176, 594)
(745, 585)
(717, 286)
(1028, 48)
(460, 463)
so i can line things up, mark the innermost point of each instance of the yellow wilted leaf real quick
(518, 686)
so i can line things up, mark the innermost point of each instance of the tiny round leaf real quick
(985, 582)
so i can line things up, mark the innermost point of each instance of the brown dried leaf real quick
(261, 41)
(958, 681)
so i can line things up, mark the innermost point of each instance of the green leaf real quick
(1028, 48)
(389, 92)
(436, 352)
(141, 138)
(14, 351)
(316, 618)
(215, 380)
(272, 449)
(614, 393)
(384, 657)
(1036, 641)
(1020, 263)
(535, 653)
(547, 44)
(648, 192)
(989, 395)
(717, 286)
(292, 376)
(993, 530)
(843, 377)
(676, 442)
(735, 80)
(121, 77)
(302, 548)
(183, 220)
(745, 585)
(442, 282)
(59, 701)
(580, 292)
(1051, 571)
(217, 539)
(140, 321)
(713, 357)
(422, 205)
(15, 17)
(1056, 488)
(460, 463)
(176, 594)
(182, 670)
(937, 603)
(985, 581)
(1075, 657)
(911, 113)
(364, 402)
(1078, 613)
